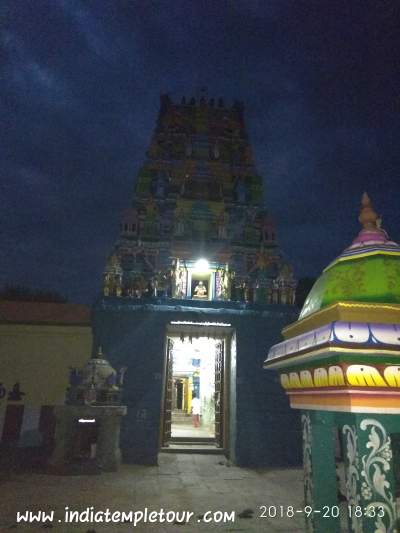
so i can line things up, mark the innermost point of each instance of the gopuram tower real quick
(197, 228)
(194, 291)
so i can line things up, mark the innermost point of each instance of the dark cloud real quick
(321, 82)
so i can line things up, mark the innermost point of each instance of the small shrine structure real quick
(88, 425)
(340, 364)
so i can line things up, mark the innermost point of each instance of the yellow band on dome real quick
(347, 311)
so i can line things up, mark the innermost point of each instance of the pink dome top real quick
(371, 234)
(371, 240)
(371, 237)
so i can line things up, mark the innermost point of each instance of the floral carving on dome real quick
(392, 270)
(346, 282)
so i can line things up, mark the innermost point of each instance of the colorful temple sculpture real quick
(88, 425)
(198, 196)
(194, 291)
(339, 364)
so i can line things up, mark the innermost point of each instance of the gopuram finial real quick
(368, 217)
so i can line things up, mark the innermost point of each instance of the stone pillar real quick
(320, 485)
(108, 454)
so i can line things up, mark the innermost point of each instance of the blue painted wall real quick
(263, 429)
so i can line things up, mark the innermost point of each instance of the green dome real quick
(367, 271)
(374, 278)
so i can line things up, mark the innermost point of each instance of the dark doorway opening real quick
(85, 440)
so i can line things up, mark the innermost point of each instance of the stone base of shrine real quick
(87, 434)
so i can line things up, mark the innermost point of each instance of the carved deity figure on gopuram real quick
(197, 227)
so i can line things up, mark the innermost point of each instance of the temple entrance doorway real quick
(196, 386)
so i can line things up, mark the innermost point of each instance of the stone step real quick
(192, 448)
(192, 440)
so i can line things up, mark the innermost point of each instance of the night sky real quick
(80, 94)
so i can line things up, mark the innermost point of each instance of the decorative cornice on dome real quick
(336, 335)
(344, 311)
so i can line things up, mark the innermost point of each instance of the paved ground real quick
(187, 430)
(184, 482)
(182, 426)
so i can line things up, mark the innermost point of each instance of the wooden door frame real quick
(219, 367)
(161, 442)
